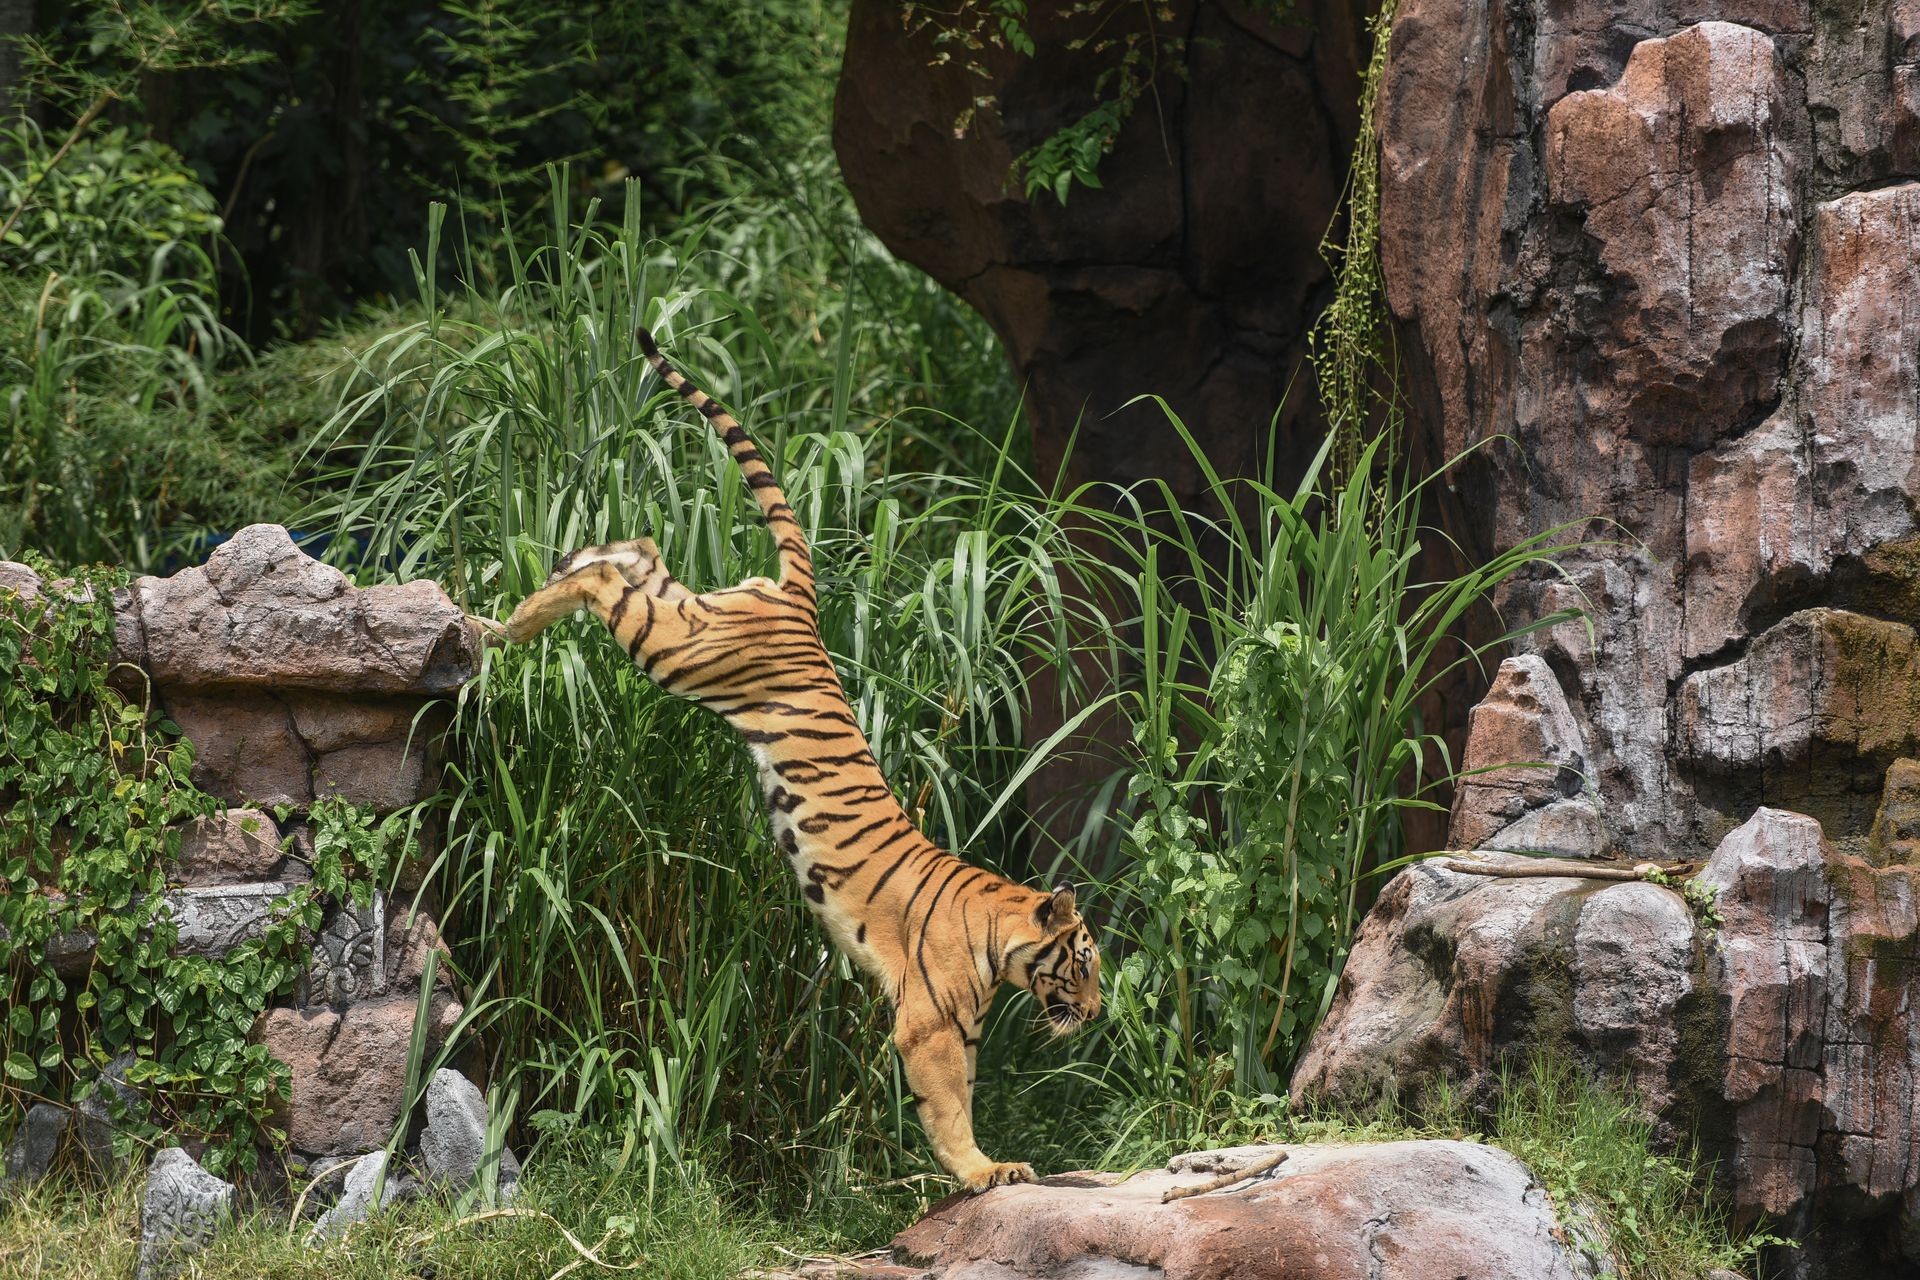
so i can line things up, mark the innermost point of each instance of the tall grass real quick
(1286, 655)
(639, 960)
(114, 446)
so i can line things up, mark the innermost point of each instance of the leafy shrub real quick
(1271, 793)
(111, 204)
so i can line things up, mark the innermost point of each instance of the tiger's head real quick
(1061, 965)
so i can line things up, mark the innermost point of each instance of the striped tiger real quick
(938, 934)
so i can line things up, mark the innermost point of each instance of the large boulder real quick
(1453, 973)
(1385, 1211)
(1780, 1035)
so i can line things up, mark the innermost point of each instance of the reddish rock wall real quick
(1663, 255)
(1672, 259)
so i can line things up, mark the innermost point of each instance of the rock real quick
(1817, 692)
(1693, 145)
(349, 1068)
(36, 1143)
(1786, 1046)
(412, 936)
(1896, 827)
(95, 1116)
(245, 749)
(349, 957)
(454, 1143)
(183, 1207)
(1563, 190)
(233, 847)
(1818, 1064)
(18, 579)
(1451, 974)
(261, 614)
(1524, 721)
(214, 920)
(356, 1197)
(384, 776)
(1193, 272)
(1387, 1211)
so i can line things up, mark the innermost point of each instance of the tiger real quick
(937, 934)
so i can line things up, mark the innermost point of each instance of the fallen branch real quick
(1564, 868)
(1254, 1170)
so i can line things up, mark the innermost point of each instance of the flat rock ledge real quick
(1412, 1210)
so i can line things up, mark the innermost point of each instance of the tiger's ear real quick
(1057, 910)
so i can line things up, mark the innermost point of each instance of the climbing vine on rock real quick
(94, 787)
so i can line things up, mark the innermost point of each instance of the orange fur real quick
(939, 934)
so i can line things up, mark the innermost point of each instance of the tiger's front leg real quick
(938, 1061)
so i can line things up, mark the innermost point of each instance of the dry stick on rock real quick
(1254, 1170)
(1563, 867)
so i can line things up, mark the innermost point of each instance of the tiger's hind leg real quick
(595, 578)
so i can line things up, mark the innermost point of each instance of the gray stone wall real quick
(294, 685)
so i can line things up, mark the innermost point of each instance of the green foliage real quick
(1135, 40)
(119, 45)
(126, 432)
(1075, 152)
(1701, 898)
(1304, 741)
(1350, 345)
(1593, 1149)
(93, 787)
(111, 203)
(496, 71)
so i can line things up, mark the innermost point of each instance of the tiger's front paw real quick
(997, 1175)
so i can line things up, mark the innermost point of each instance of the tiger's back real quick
(937, 933)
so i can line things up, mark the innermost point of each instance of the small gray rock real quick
(455, 1141)
(184, 1206)
(356, 1196)
(36, 1143)
(96, 1123)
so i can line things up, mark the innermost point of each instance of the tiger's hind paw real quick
(998, 1175)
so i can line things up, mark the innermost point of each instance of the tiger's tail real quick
(796, 561)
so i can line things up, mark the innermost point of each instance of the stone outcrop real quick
(1542, 800)
(1385, 1211)
(350, 1068)
(1193, 272)
(453, 1147)
(1452, 974)
(1782, 1038)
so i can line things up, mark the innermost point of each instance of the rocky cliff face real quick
(1672, 260)
(1663, 256)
